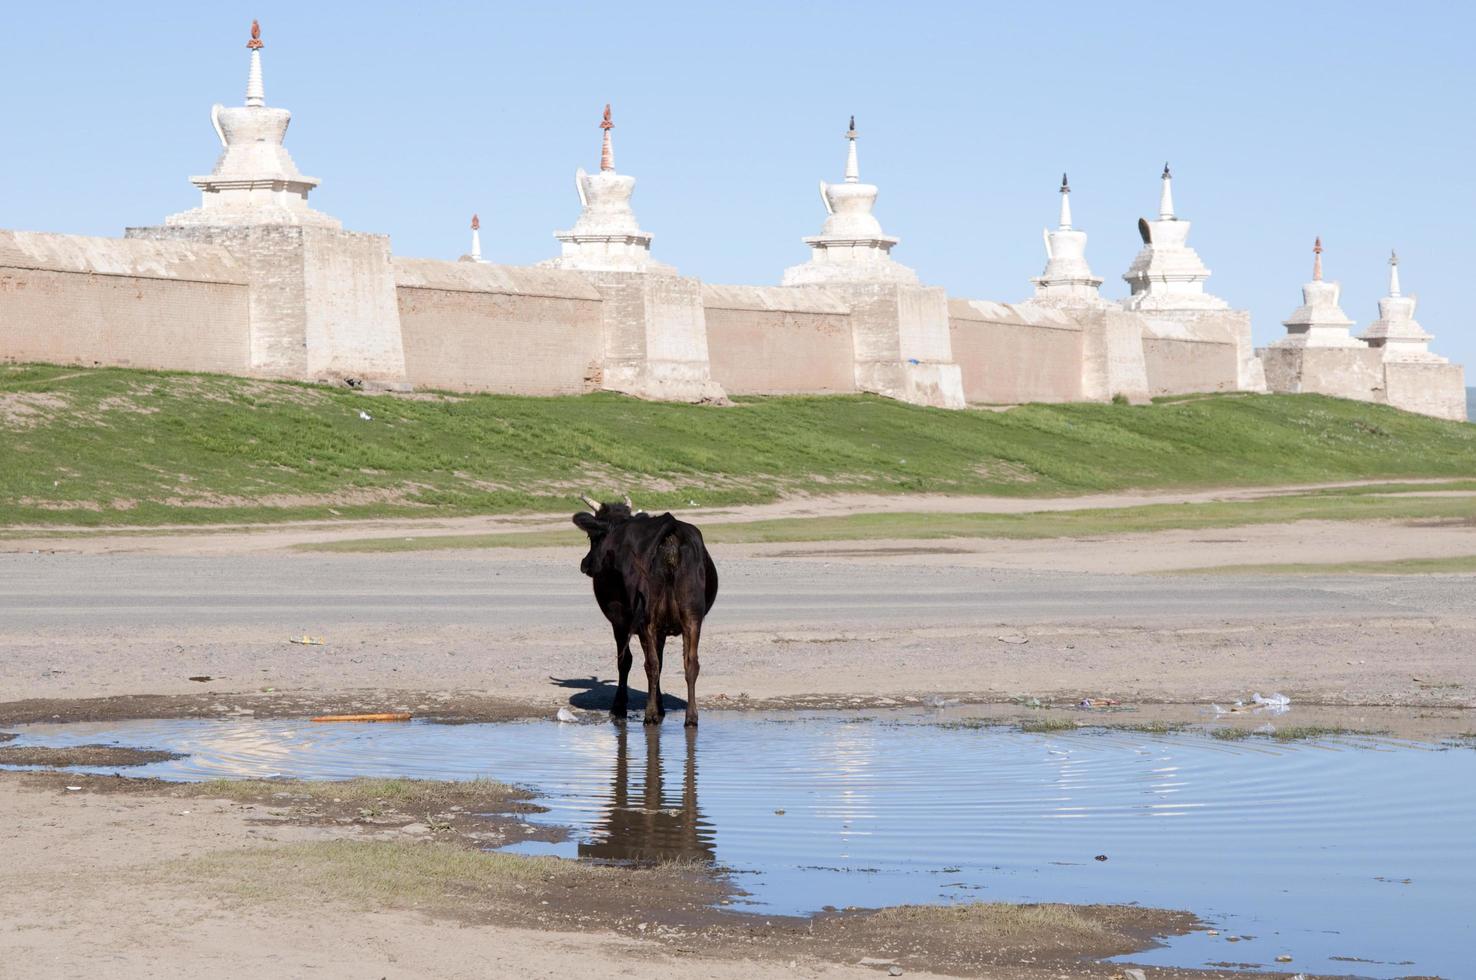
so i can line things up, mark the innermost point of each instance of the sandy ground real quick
(840, 623)
(1315, 542)
(80, 895)
(791, 621)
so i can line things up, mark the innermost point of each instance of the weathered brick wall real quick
(1180, 366)
(352, 314)
(477, 327)
(1346, 372)
(1430, 389)
(901, 337)
(66, 299)
(271, 258)
(1010, 354)
(322, 300)
(773, 340)
(1179, 362)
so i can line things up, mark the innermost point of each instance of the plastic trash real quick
(365, 416)
(307, 641)
(565, 715)
(1276, 704)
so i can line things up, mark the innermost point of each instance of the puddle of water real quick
(1350, 855)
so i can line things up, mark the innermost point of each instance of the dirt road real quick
(523, 626)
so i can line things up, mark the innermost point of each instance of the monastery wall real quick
(1427, 387)
(776, 340)
(655, 336)
(254, 281)
(352, 318)
(322, 300)
(470, 326)
(67, 299)
(1228, 363)
(1430, 389)
(1179, 366)
(1010, 354)
(1344, 372)
(1112, 360)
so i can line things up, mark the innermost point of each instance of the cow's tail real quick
(669, 554)
(684, 550)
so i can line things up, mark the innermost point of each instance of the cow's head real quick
(598, 523)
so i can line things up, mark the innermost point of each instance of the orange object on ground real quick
(384, 716)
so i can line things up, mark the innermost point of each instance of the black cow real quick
(653, 578)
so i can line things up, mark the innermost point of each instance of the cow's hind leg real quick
(653, 678)
(623, 660)
(691, 636)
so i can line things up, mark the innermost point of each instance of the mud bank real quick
(217, 875)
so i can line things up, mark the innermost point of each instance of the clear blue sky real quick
(1282, 121)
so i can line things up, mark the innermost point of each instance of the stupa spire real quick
(851, 247)
(1166, 196)
(254, 181)
(607, 237)
(1319, 321)
(607, 152)
(1067, 279)
(1396, 331)
(476, 244)
(853, 169)
(255, 93)
(1167, 274)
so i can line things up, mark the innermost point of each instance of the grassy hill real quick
(109, 446)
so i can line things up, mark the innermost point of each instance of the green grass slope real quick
(110, 446)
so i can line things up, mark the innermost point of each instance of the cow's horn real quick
(628, 503)
(594, 507)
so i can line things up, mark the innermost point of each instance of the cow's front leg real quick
(623, 660)
(653, 678)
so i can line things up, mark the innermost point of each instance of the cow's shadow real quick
(597, 695)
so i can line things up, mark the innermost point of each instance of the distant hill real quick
(112, 446)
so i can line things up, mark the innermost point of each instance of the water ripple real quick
(1304, 845)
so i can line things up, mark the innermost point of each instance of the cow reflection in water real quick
(643, 824)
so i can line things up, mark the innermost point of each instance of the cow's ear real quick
(588, 523)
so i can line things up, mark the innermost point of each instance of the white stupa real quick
(475, 255)
(1396, 330)
(607, 236)
(1167, 274)
(255, 181)
(852, 246)
(1319, 321)
(1067, 279)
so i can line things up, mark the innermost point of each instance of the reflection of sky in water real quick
(1316, 849)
